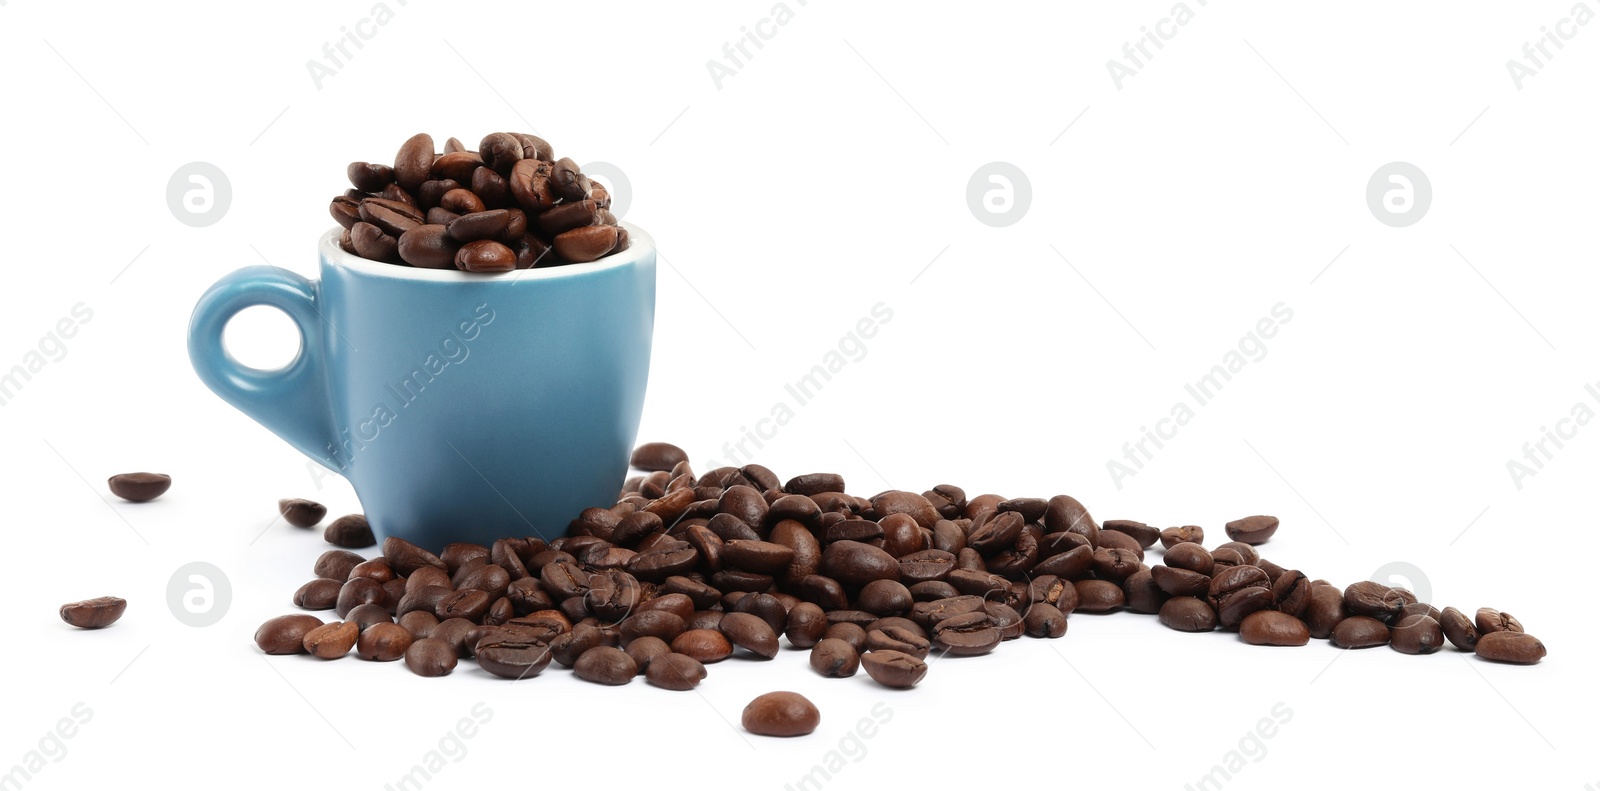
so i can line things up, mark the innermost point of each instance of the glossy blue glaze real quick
(461, 407)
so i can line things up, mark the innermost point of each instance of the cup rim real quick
(640, 246)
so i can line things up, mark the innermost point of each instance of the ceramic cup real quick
(461, 407)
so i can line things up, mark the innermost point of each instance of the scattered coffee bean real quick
(1459, 629)
(1188, 534)
(351, 532)
(894, 669)
(97, 613)
(383, 642)
(604, 664)
(139, 487)
(835, 658)
(1517, 648)
(1490, 620)
(431, 657)
(331, 640)
(318, 594)
(1188, 614)
(511, 653)
(286, 634)
(1252, 529)
(1416, 634)
(675, 671)
(302, 513)
(1270, 627)
(1360, 631)
(781, 714)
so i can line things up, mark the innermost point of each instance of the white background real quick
(825, 176)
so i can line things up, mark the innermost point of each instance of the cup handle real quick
(291, 401)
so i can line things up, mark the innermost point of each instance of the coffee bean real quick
(750, 633)
(365, 615)
(372, 243)
(1416, 634)
(1142, 592)
(1099, 596)
(286, 634)
(383, 642)
(1144, 534)
(1252, 529)
(346, 211)
(675, 672)
(1459, 629)
(569, 183)
(468, 603)
(894, 669)
(805, 625)
(485, 256)
(1064, 514)
(645, 650)
(854, 563)
(391, 217)
(907, 641)
(1114, 539)
(457, 166)
(970, 634)
(477, 226)
(331, 640)
(1270, 627)
(1188, 614)
(1513, 647)
(705, 645)
(368, 177)
(1115, 565)
(139, 487)
(351, 531)
(1360, 631)
(428, 246)
(414, 160)
(780, 713)
(431, 657)
(420, 623)
(1188, 534)
(885, 597)
(511, 653)
(500, 151)
(318, 594)
(606, 665)
(567, 216)
(1373, 599)
(582, 245)
(1181, 581)
(1490, 620)
(762, 557)
(835, 658)
(406, 557)
(302, 513)
(96, 613)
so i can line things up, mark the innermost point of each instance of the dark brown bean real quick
(286, 634)
(139, 487)
(331, 640)
(96, 613)
(835, 658)
(301, 513)
(1270, 627)
(894, 669)
(1517, 648)
(350, 531)
(1459, 629)
(779, 713)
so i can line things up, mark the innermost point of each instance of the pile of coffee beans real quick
(508, 205)
(684, 571)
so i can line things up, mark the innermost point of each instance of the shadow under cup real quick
(461, 407)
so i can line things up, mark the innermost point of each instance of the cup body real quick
(463, 407)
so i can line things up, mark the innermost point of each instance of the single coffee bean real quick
(365, 615)
(1360, 631)
(1099, 595)
(531, 187)
(511, 653)
(456, 167)
(852, 633)
(885, 597)
(468, 603)
(368, 177)
(1324, 610)
(1145, 535)
(750, 633)
(1234, 607)
(1270, 627)
(568, 646)
(606, 665)
(894, 669)
(1514, 647)
(428, 246)
(1064, 514)
(762, 557)
(485, 256)
(302, 513)
(97, 613)
(358, 591)
(806, 624)
(1044, 620)
(455, 633)
(431, 657)
(1252, 529)
(1142, 593)
(383, 642)
(705, 645)
(970, 634)
(331, 640)
(1373, 599)
(500, 151)
(780, 713)
(1188, 534)
(1416, 634)
(286, 634)
(1291, 592)
(351, 532)
(1181, 581)
(318, 594)
(487, 224)
(582, 245)
(389, 216)
(461, 201)
(569, 183)
(856, 564)
(1188, 614)
(405, 557)
(420, 623)
(567, 216)
(674, 671)
(1490, 620)
(1459, 629)
(907, 641)
(373, 244)
(645, 650)
(139, 487)
(346, 211)
(835, 658)
(413, 162)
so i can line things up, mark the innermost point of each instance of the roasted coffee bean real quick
(1417, 608)
(852, 633)
(763, 557)
(1064, 514)
(582, 245)
(569, 183)
(1145, 535)
(1188, 534)
(1490, 620)
(485, 256)
(337, 564)
(439, 215)
(1181, 581)
(1070, 564)
(856, 564)
(1234, 607)
(884, 597)
(806, 625)
(331, 640)
(1099, 596)
(568, 646)
(391, 217)
(318, 594)
(814, 483)
(346, 211)
(405, 557)
(477, 226)
(1252, 529)
(970, 634)
(1324, 610)
(675, 671)
(461, 201)
(368, 177)
(645, 650)
(779, 713)
(431, 657)
(1373, 599)
(1360, 631)
(1188, 614)
(1115, 565)
(1459, 629)
(96, 613)
(139, 487)
(1189, 556)
(286, 634)
(1416, 634)
(567, 216)
(413, 162)
(511, 653)
(468, 603)
(1143, 594)
(907, 641)
(373, 244)
(358, 591)
(1043, 620)
(835, 658)
(1513, 647)
(456, 166)
(1270, 627)
(428, 246)
(894, 669)
(661, 624)
(500, 151)
(365, 615)
(432, 192)
(1291, 592)
(350, 531)
(997, 533)
(750, 633)
(302, 513)
(531, 187)
(705, 645)
(420, 623)
(455, 632)
(606, 665)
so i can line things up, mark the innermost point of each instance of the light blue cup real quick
(461, 407)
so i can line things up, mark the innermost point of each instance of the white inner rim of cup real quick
(639, 245)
